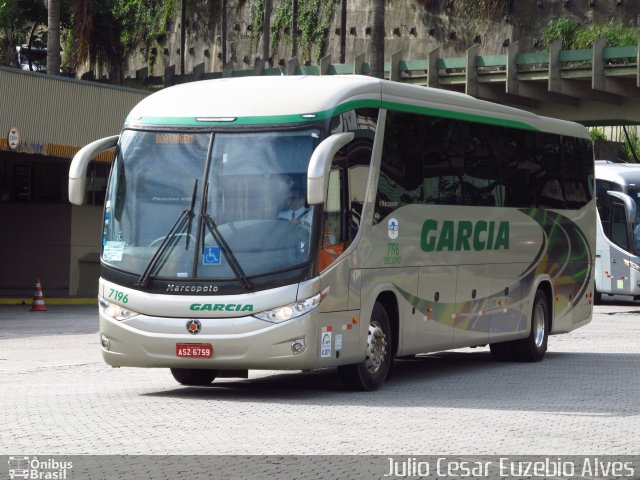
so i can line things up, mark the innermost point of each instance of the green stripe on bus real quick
(436, 112)
(324, 115)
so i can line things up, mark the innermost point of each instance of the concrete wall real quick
(434, 25)
(84, 261)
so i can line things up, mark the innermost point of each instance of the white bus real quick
(618, 239)
(432, 221)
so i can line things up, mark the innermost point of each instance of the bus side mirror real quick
(320, 164)
(79, 164)
(629, 205)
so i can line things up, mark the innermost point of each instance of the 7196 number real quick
(117, 295)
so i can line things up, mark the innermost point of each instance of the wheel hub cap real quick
(376, 347)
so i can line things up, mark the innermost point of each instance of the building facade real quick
(44, 121)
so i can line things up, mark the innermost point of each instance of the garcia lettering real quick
(221, 307)
(464, 235)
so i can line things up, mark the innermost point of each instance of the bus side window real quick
(619, 233)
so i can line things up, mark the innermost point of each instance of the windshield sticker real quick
(113, 251)
(338, 342)
(325, 345)
(211, 256)
(393, 229)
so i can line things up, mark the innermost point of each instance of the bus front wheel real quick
(193, 376)
(372, 372)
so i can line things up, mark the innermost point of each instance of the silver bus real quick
(618, 238)
(429, 220)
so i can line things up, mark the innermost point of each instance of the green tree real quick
(19, 22)
(100, 46)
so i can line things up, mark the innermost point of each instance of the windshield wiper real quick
(224, 247)
(185, 216)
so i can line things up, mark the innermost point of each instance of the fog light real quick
(104, 341)
(298, 347)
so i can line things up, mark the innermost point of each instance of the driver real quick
(297, 212)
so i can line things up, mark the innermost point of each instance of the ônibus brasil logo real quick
(33, 468)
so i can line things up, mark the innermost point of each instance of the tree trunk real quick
(266, 34)
(294, 29)
(224, 34)
(343, 31)
(376, 56)
(53, 37)
(183, 34)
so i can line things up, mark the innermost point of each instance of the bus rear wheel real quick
(193, 376)
(373, 371)
(533, 348)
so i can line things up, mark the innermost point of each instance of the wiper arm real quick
(193, 203)
(224, 247)
(185, 216)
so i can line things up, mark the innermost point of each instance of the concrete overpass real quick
(595, 86)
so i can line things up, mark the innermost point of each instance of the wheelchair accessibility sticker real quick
(211, 256)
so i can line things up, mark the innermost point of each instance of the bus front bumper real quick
(146, 341)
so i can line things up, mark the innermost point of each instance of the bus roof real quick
(296, 99)
(624, 174)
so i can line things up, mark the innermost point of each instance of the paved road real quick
(58, 397)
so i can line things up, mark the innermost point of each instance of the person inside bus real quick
(298, 212)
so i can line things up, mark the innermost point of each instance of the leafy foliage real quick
(143, 22)
(616, 34)
(597, 134)
(483, 9)
(314, 18)
(19, 20)
(576, 37)
(564, 28)
(631, 147)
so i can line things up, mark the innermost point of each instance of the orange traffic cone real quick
(38, 299)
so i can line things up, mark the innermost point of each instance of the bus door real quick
(341, 223)
(616, 269)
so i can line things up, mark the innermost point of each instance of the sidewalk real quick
(49, 301)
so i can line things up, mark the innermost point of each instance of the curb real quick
(50, 301)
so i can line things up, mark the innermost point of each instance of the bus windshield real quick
(209, 205)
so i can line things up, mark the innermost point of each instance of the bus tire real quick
(373, 371)
(193, 376)
(533, 348)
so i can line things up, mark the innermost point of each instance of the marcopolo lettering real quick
(454, 235)
(221, 307)
(192, 288)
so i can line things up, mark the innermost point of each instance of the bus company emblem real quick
(194, 327)
(392, 228)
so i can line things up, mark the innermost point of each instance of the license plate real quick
(194, 350)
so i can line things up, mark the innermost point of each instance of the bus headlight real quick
(292, 310)
(116, 312)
